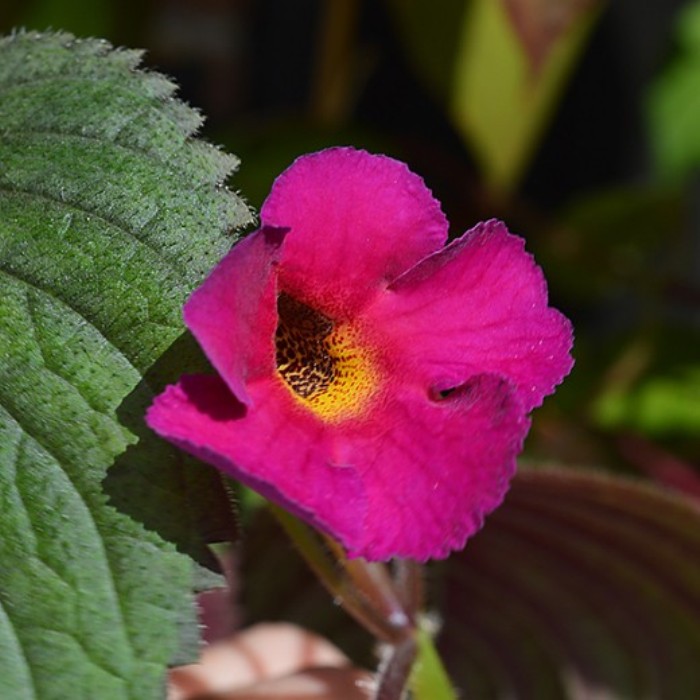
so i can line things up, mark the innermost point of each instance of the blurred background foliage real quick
(573, 120)
(576, 121)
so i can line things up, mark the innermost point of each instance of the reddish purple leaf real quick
(581, 585)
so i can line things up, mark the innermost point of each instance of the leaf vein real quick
(112, 140)
(20, 648)
(49, 365)
(114, 223)
(14, 275)
(101, 545)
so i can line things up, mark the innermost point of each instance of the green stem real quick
(372, 582)
(333, 578)
(366, 592)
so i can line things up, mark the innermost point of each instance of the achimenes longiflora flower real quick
(370, 380)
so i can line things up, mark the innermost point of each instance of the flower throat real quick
(321, 362)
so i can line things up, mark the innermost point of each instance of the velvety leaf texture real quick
(580, 586)
(110, 213)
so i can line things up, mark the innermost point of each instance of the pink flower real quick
(371, 381)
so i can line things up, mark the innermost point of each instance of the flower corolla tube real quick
(370, 379)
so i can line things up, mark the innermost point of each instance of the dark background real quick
(618, 244)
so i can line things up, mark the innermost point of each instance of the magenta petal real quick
(479, 305)
(436, 468)
(282, 453)
(357, 221)
(401, 398)
(233, 314)
(417, 484)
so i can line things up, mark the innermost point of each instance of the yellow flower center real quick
(322, 363)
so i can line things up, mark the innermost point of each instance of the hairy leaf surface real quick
(110, 213)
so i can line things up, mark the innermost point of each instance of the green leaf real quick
(660, 405)
(429, 680)
(500, 107)
(674, 103)
(579, 586)
(481, 71)
(110, 213)
(653, 386)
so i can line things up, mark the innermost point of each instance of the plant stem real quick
(387, 607)
(408, 583)
(337, 584)
(394, 673)
(373, 582)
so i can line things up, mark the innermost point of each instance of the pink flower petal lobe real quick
(370, 381)
(359, 221)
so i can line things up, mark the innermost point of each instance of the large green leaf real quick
(476, 58)
(674, 105)
(110, 213)
(579, 586)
